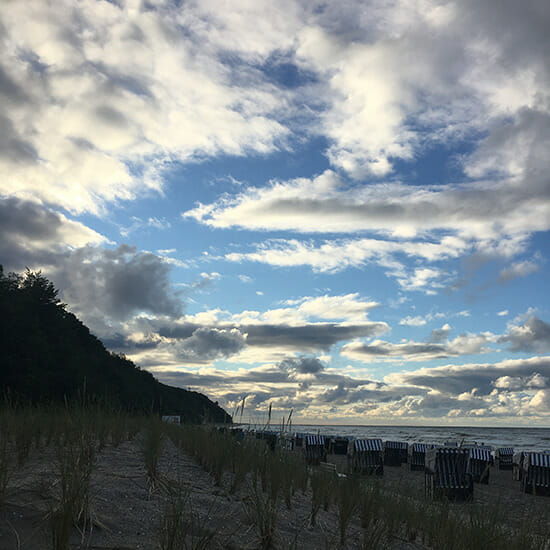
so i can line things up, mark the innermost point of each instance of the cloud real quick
(113, 284)
(337, 255)
(102, 91)
(308, 337)
(441, 334)
(349, 307)
(518, 269)
(457, 379)
(273, 335)
(302, 365)
(464, 344)
(33, 235)
(138, 223)
(533, 335)
(104, 109)
(417, 321)
(206, 344)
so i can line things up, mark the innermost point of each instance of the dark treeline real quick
(48, 356)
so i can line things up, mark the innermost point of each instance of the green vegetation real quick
(48, 356)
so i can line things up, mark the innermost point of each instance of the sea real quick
(521, 439)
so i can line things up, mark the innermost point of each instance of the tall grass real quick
(75, 464)
(181, 527)
(347, 502)
(262, 510)
(152, 448)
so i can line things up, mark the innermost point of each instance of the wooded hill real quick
(48, 356)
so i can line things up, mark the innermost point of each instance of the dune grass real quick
(266, 481)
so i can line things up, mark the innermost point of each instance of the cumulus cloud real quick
(302, 365)
(532, 335)
(114, 284)
(440, 334)
(206, 344)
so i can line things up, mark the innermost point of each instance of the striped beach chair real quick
(480, 463)
(314, 449)
(447, 474)
(417, 456)
(504, 456)
(367, 456)
(536, 473)
(395, 453)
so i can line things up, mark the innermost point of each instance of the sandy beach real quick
(127, 510)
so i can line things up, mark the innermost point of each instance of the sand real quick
(127, 510)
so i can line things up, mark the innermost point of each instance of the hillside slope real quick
(48, 355)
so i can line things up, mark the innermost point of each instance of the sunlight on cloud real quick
(125, 87)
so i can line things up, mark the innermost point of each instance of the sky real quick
(339, 209)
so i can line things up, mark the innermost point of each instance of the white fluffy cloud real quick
(102, 95)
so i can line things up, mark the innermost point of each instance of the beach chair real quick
(286, 442)
(480, 463)
(446, 474)
(340, 446)
(504, 456)
(536, 473)
(395, 453)
(314, 449)
(417, 456)
(366, 457)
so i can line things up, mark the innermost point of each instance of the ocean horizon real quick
(520, 438)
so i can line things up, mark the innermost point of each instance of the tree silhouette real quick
(48, 355)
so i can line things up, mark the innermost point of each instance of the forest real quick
(48, 357)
